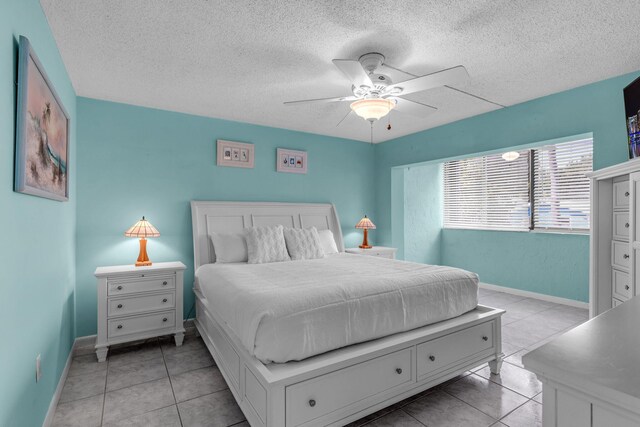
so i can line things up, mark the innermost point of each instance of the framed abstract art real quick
(42, 132)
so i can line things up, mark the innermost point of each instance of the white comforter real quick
(293, 310)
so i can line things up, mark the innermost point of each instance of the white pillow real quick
(266, 244)
(229, 247)
(327, 242)
(303, 243)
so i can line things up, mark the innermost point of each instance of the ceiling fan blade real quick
(354, 72)
(413, 108)
(450, 77)
(318, 100)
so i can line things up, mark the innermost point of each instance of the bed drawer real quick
(621, 225)
(620, 255)
(621, 195)
(437, 354)
(133, 325)
(621, 285)
(144, 284)
(328, 393)
(141, 304)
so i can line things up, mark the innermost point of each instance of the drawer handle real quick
(626, 287)
(312, 403)
(626, 194)
(399, 371)
(625, 256)
(485, 338)
(164, 300)
(165, 319)
(164, 283)
(119, 305)
(626, 225)
(119, 288)
(432, 358)
(119, 326)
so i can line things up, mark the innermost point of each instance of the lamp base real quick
(365, 240)
(143, 258)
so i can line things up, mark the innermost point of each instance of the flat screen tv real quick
(632, 110)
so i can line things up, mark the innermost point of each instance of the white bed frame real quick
(343, 385)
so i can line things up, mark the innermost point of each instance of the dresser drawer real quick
(621, 195)
(621, 225)
(437, 354)
(142, 284)
(148, 322)
(140, 304)
(328, 393)
(621, 285)
(620, 255)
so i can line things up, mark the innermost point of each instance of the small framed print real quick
(235, 154)
(291, 161)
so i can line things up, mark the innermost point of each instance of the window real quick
(490, 193)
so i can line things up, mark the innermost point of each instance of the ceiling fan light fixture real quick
(372, 109)
(510, 156)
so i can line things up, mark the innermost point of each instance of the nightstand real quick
(137, 303)
(379, 251)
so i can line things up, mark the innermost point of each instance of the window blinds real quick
(560, 187)
(487, 193)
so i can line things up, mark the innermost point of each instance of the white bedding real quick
(293, 310)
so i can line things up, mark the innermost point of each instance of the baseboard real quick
(529, 294)
(51, 412)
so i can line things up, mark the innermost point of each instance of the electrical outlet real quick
(38, 369)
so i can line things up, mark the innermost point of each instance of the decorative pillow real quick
(327, 242)
(229, 247)
(266, 244)
(303, 243)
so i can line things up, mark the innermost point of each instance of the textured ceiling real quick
(241, 59)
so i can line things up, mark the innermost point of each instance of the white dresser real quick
(591, 375)
(615, 236)
(379, 251)
(138, 302)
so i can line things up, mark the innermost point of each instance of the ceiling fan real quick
(375, 95)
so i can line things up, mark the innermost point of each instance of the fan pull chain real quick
(371, 132)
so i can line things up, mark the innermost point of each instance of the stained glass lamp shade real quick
(142, 229)
(365, 224)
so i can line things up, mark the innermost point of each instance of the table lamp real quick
(365, 224)
(142, 229)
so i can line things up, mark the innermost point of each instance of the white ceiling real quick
(241, 59)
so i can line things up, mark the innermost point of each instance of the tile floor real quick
(157, 384)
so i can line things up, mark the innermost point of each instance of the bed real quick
(328, 341)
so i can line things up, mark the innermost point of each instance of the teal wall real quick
(38, 235)
(508, 258)
(137, 161)
(423, 199)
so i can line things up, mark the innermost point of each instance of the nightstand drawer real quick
(143, 284)
(385, 254)
(141, 304)
(133, 325)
